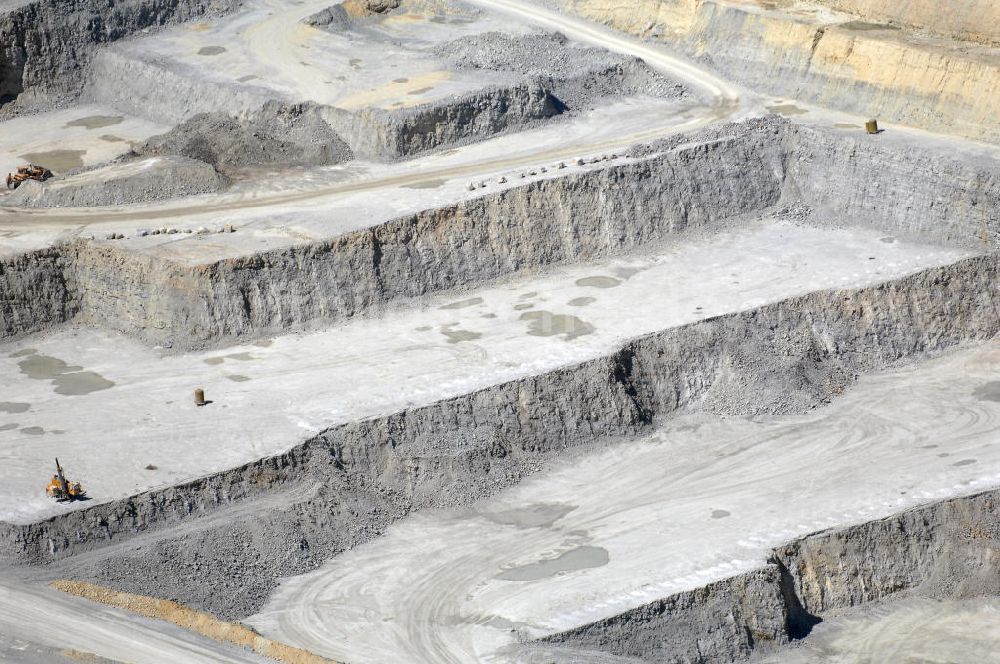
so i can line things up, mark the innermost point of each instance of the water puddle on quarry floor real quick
(462, 304)
(68, 380)
(458, 336)
(56, 160)
(574, 560)
(96, 121)
(581, 301)
(988, 391)
(598, 282)
(538, 515)
(787, 109)
(548, 324)
(425, 184)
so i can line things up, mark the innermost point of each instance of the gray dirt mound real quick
(358, 13)
(122, 184)
(575, 75)
(277, 134)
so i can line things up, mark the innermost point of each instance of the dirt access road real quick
(281, 39)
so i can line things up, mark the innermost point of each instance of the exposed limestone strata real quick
(945, 550)
(972, 20)
(279, 516)
(701, 182)
(841, 64)
(35, 292)
(45, 45)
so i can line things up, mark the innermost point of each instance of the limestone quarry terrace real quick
(700, 500)
(122, 415)
(318, 84)
(501, 330)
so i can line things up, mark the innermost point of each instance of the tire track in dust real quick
(429, 584)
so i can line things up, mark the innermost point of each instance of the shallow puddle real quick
(8, 427)
(56, 160)
(538, 515)
(111, 138)
(581, 301)
(424, 184)
(720, 514)
(628, 272)
(598, 282)
(419, 91)
(548, 324)
(14, 406)
(211, 50)
(462, 304)
(787, 109)
(33, 431)
(238, 378)
(68, 380)
(44, 367)
(81, 382)
(988, 391)
(459, 336)
(248, 77)
(580, 558)
(219, 359)
(96, 121)
(865, 26)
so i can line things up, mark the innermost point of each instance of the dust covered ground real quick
(530, 331)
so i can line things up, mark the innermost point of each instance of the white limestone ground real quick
(266, 51)
(915, 630)
(280, 209)
(40, 624)
(84, 135)
(700, 500)
(121, 417)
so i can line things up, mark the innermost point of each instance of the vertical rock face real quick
(855, 178)
(580, 217)
(944, 550)
(35, 292)
(353, 480)
(973, 20)
(44, 44)
(848, 65)
(699, 182)
(721, 622)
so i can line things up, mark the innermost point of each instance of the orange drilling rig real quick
(61, 489)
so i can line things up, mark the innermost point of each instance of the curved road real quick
(40, 618)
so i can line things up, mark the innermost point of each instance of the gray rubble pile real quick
(575, 75)
(276, 134)
(140, 181)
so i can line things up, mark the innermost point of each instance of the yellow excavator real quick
(61, 489)
(29, 172)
